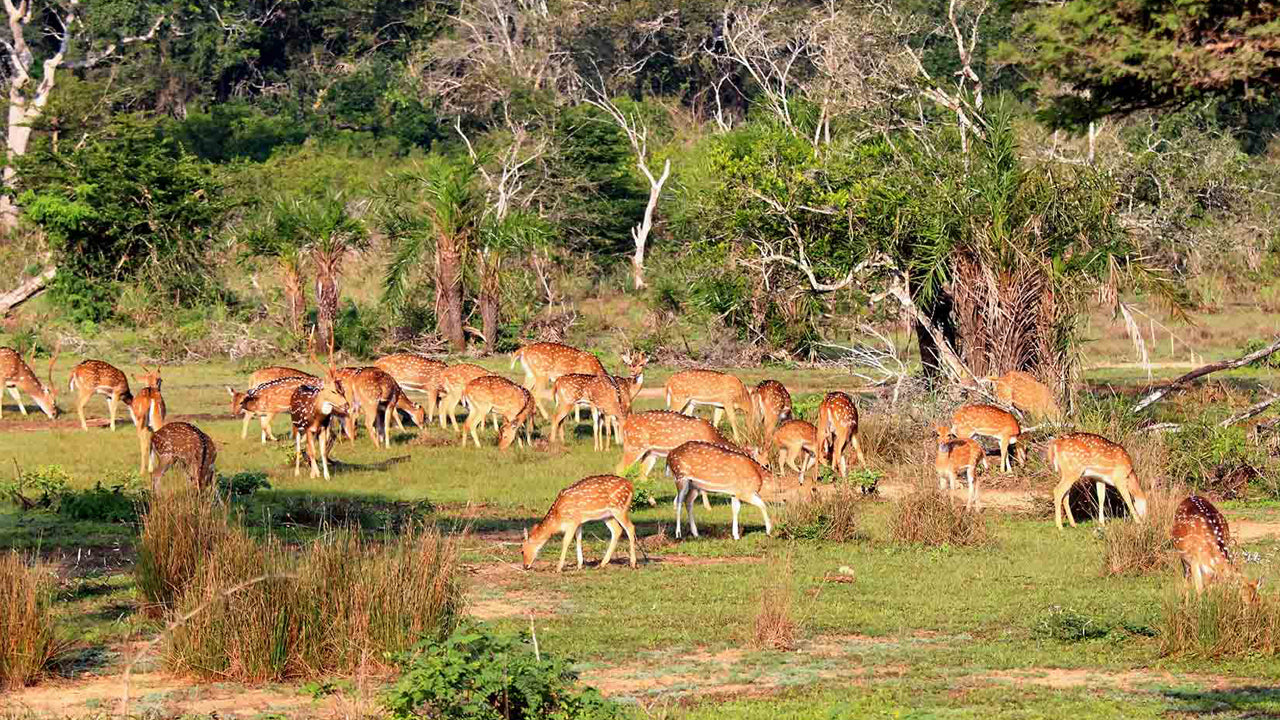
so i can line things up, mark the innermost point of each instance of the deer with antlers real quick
(185, 443)
(147, 411)
(544, 362)
(95, 377)
(955, 456)
(414, 373)
(17, 376)
(770, 406)
(496, 394)
(797, 440)
(1085, 455)
(711, 467)
(256, 380)
(990, 421)
(599, 497)
(838, 429)
(267, 400)
(688, 389)
(1202, 538)
(1023, 391)
(311, 410)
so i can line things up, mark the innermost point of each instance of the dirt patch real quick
(788, 489)
(513, 604)
(1067, 678)
(1246, 530)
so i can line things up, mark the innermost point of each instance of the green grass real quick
(919, 633)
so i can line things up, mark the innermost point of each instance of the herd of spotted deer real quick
(698, 456)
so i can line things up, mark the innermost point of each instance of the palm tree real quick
(517, 231)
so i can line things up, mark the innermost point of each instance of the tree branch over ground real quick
(1203, 370)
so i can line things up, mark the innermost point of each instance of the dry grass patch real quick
(1139, 547)
(774, 627)
(28, 643)
(1220, 623)
(179, 533)
(832, 515)
(926, 516)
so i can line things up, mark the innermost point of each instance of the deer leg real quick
(736, 505)
(386, 424)
(578, 536)
(648, 466)
(311, 454)
(758, 501)
(615, 532)
(324, 452)
(564, 549)
(266, 428)
(733, 421)
(297, 455)
(83, 400)
(973, 489)
(688, 507)
(1005, 465)
(144, 445)
(1102, 501)
(857, 448)
(716, 415)
(160, 466)
(682, 488)
(557, 423)
(17, 398)
(706, 499)
(244, 428)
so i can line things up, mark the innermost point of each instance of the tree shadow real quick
(1249, 701)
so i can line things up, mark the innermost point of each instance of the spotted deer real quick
(147, 411)
(414, 373)
(957, 455)
(837, 430)
(1086, 455)
(653, 434)
(543, 362)
(257, 379)
(770, 406)
(599, 497)
(265, 401)
(602, 393)
(1023, 391)
(453, 381)
(579, 388)
(17, 376)
(1202, 538)
(496, 394)
(417, 413)
(185, 443)
(796, 440)
(97, 377)
(709, 467)
(311, 411)
(374, 394)
(993, 422)
(688, 389)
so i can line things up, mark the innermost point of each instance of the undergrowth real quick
(925, 516)
(1219, 624)
(831, 515)
(28, 643)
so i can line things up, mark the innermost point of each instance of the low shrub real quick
(1219, 623)
(242, 483)
(1217, 461)
(774, 627)
(1132, 547)
(263, 612)
(925, 516)
(46, 488)
(180, 531)
(1068, 625)
(28, 643)
(832, 515)
(476, 675)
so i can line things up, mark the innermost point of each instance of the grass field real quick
(1027, 627)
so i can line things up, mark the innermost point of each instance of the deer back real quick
(707, 386)
(664, 430)
(99, 376)
(1023, 391)
(717, 466)
(410, 370)
(504, 396)
(276, 372)
(770, 399)
(551, 360)
(837, 416)
(272, 396)
(984, 420)
(456, 377)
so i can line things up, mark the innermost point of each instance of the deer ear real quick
(230, 392)
(526, 534)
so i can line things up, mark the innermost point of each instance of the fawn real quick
(956, 455)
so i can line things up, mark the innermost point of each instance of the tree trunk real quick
(489, 317)
(640, 233)
(449, 295)
(295, 298)
(932, 357)
(29, 288)
(326, 308)
(490, 296)
(17, 137)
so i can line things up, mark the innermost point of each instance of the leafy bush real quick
(831, 516)
(1067, 625)
(28, 643)
(337, 606)
(180, 531)
(1271, 361)
(477, 675)
(242, 483)
(1220, 623)
(926, 516)
(40, 487)
(46, 488)
(99, 504)
(1214, 459)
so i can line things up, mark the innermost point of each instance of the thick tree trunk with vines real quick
(449, 295)
(326, 308)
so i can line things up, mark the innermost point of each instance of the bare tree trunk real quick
(449, 295)
(640, 233)
(295, 298)
(326, 307)
(490, 297)
(28, 289)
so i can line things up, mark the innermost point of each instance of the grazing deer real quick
(416, 373)
(185, 443)
(956, 455)
(838, 429)
(496, 394)
(453, 381)
(688, 389)
(265, 401)
(599, 497)
(629, 388)
(770, 406)
(417, 413)
(993, 422)
(797, 440)
(147, 411)
(373, 393)
(311, 410)
(96, 377)
(16, 375)
(650, 435)
(1078, 455)
(708, 467)
(1203, 541)
(602, 393)
(543, 362)
(1023, 391)
(257, 379)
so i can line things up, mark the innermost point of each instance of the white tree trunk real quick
(640, 233)
(17, 137)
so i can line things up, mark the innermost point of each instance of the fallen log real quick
(1201, 371)
(26, 290)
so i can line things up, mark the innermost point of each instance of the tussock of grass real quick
(926, 516)
(1220, 623)
(1132, 547)
(774, 627)
(831, 515)
(336, 606)
(27, 640)
(179, 532)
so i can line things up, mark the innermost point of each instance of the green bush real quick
(476, 675)
(45, 488)
(242, 483)
(1271, 361)
(1215, 459)
(99, 504)
(1068, 625)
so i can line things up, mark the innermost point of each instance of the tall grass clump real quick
(832, 515)
(774, 628)
(180, 531)
(27, 640)
(264, 612)
(1133, 547)
(927, 516)
(1220, 623)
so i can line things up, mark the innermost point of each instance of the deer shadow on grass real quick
(1083, 500)
(1248, 701)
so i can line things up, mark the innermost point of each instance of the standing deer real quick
(257, 379)
(599, 497)
(17, 375)
(1078, 455)
(185, 443)
(266, 400)
(374, 394)
(416, 373)
(311, 410)
(993, 422)
(496, 394)
(770, 406)
(97, 377)
(1023, 391)
(837, 429)
(1203, 541)
(956, 455)
(543, 362)
(708, 467)
(653, 434)
(797, 440)
(690, 388)
(602, 393)
(147, 411)
(453, 381)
